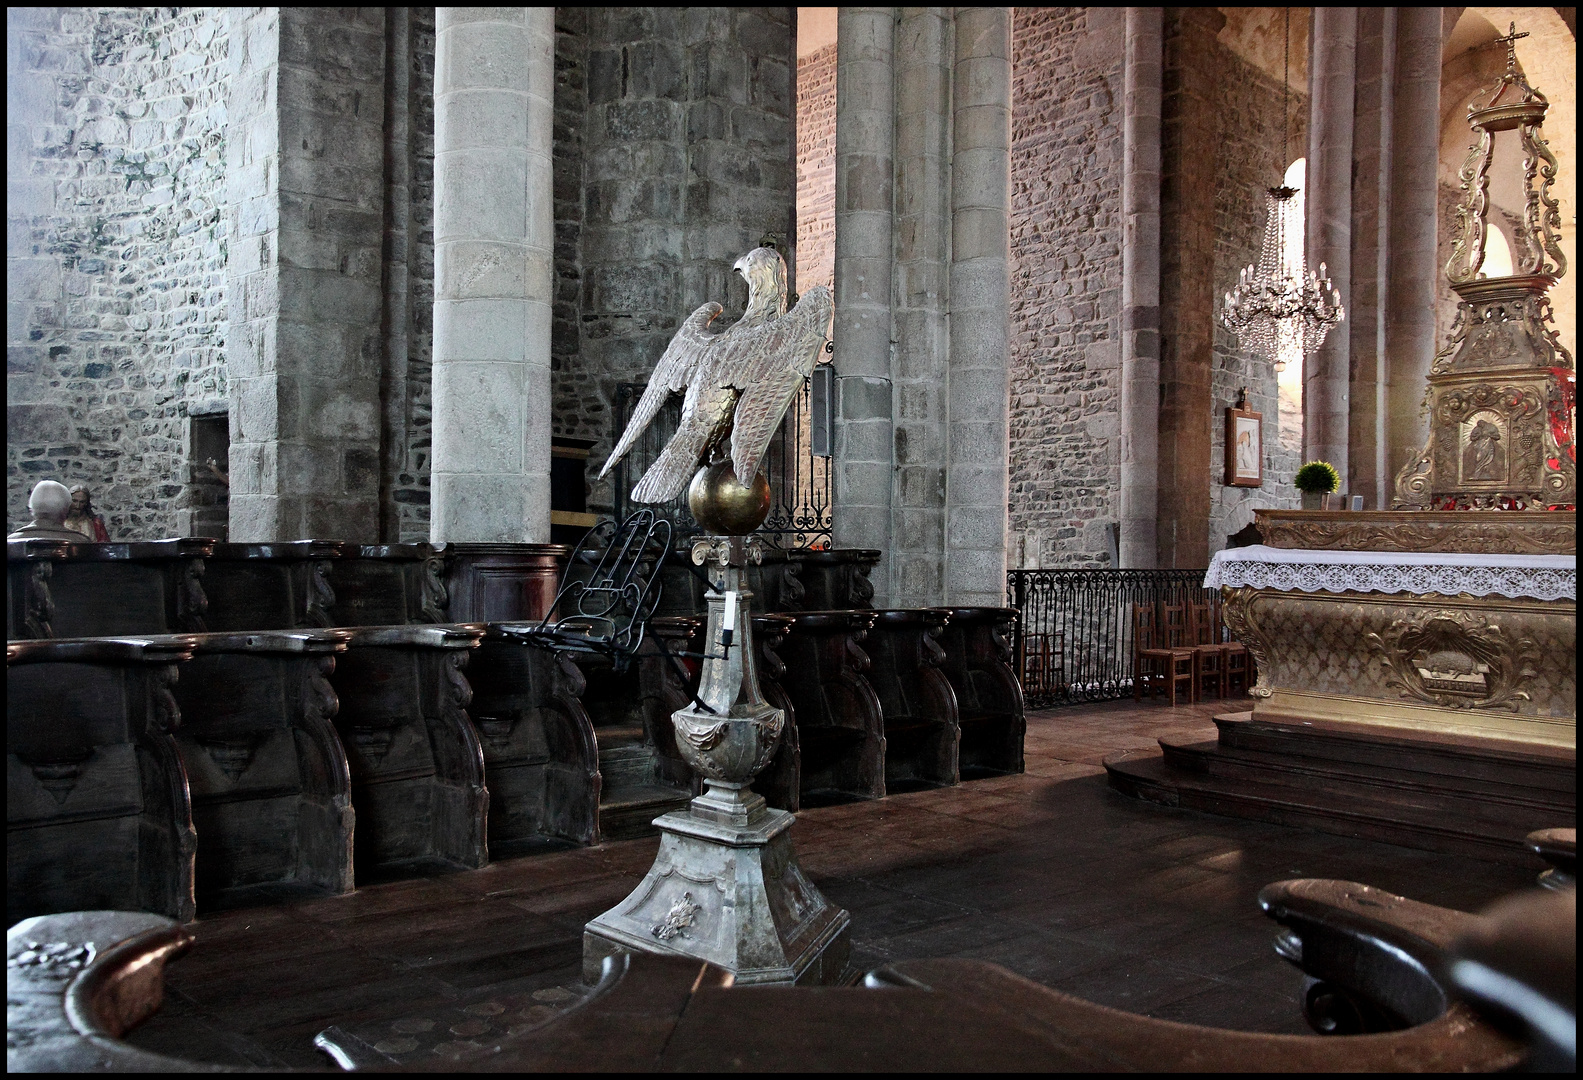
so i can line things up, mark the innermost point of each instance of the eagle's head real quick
(765, 272)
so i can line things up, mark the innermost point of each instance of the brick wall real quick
(816, 168)
(116, 296)
(1066, 290)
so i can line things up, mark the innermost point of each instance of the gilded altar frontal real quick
(825, 539)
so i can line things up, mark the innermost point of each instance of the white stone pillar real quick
(920, 318)
(1410, 316)
(1371, 252)
(1328, 207)
(494, 82)
(1140, 287)
(976, 397)
(864, 157)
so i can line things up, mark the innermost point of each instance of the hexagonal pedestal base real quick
(726, 888)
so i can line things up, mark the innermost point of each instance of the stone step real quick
(1474, 796)
(1514, 765)
(1146, 774)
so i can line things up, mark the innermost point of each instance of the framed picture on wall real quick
(1244, 445)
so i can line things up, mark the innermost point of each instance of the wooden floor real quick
(1051, 874)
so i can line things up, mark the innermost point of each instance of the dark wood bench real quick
(977, 663)
(798, 580)
(390, 585)
(278, 586)
(921, 727)
(56, 589)
(541, 759)
(271, 791)
(502, 582)
(840, 722)
(416, 761)
(304, 584)
(668, 1014)
(642, 775)
(781, 781)
(78, 981)
(97, 807)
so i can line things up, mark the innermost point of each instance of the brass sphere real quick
(723, 506)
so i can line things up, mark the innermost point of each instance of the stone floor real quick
(1051, 874)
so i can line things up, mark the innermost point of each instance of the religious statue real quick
(725, 886)
(82, 519)
(49, 504)
(738, 385)
(1484, 459)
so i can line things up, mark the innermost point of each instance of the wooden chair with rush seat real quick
(1156, 663)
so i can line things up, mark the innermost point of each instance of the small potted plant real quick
(1316, 480)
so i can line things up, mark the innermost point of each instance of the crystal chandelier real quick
(1280, 306)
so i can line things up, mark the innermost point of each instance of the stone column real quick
(304, 172)
(1189, 128)
(864, 152)
(1140, 287)
(1328, 224)
(980, 284)
(1371, 250)
(1410, 316)
(921, 320)
(493, 234)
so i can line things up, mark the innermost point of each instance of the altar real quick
(1417, 681)
(1474, 645)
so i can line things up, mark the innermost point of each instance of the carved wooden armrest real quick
(78, 981)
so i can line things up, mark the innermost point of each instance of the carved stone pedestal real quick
(726, 888)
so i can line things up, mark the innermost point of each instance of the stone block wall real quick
(1066, 287)
(116, 251)
(574, 390)
(816, 168)
(684, 148)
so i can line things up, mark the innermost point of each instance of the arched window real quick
(1292, 234)
(1497, 254)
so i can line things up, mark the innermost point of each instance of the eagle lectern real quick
(725, 886)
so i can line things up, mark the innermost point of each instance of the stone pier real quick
(920, 293)
(1415, 142)
(864, 163)
(1140, 289)
(305, 167)
(1368, 471)
(976, 394)
(494, 279)
(1328, 212)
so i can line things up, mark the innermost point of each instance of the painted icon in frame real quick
(1244, 445)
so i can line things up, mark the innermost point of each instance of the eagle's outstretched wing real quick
(674, 372)
(771, 373)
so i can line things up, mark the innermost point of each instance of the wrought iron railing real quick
(799, 479)
(1074, 637)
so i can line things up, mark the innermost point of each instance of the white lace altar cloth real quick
(1539, 577)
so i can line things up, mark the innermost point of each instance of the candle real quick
(730, 622)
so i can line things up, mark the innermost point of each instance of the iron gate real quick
(1074, 637)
